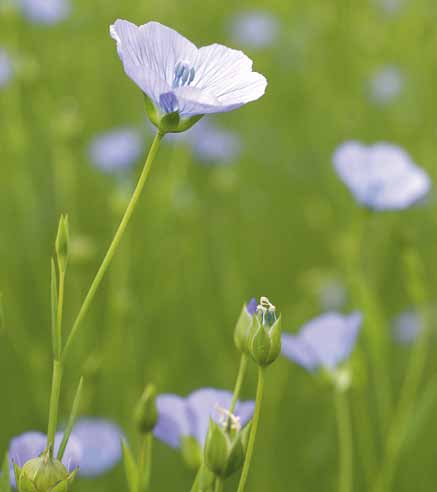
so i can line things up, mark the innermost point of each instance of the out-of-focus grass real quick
(204, 239)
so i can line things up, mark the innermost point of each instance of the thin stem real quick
(344, 442)
(145, 461)
(218, 485)
(115, 241)
(54, 405)
(239, 382)
(58, 332)
(253, 431)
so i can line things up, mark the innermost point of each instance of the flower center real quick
(183, 74)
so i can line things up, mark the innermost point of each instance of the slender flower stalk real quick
(145, 461)
(345, 441)
(218, 485)
(253, 431)
(54, 405)
(407, 400)
(115, 241)
(239, 382)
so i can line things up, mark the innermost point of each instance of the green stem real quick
(253, 431)
(54, 405)
(407, 400)
(145, 461)
(115, 241)
(58, 332)
(345, 441)
(239, 382)
(218, 485)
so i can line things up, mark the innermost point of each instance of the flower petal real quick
(150, 53)
(332, 337)
(100, 443)
(173, 420)
(296, 349)
(227, 74)
(72, 458)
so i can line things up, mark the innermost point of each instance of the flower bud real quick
(243, 326)
(146, 413)
(43, 474)
(225, 447)
(62, 243)
(265, 334)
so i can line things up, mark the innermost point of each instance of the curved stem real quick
(253, 430)
(344, 442)
(239, 382)
(115, 241)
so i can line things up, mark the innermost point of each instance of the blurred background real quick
(247, 205)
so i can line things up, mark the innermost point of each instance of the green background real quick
(205, 239)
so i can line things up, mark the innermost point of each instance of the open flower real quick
(31, 444)
(46, 12)
(182, 80)
(407, 326)
(93, 447)
(116, 150)
(324, 342)
(381, 176)
(189, 417)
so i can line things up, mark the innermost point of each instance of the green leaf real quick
(130, 467)
(71, 420)
(5, 479)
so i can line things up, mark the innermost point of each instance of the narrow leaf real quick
(71, 420)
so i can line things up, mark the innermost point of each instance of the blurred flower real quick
(46, 12)
(31, 444)
(116, 150)
(212, 144)
(181, 79)
(6, 70)
(184, 417)
(390, 7)
(381, 176)
(100, 443)
(386, 85)
(407, 326)
(332, 294)
(254, 28)
(323, 342)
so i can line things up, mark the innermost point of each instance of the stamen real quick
(183, 74)
(168, 102)
(228, 419)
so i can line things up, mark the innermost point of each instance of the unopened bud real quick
(243, 326)
(146, 412)
(62, 243)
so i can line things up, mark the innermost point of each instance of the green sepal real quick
(146, 412)
(275, 337)
(64, 484)
(5, 483)
(169, 122)
(152, 113)
(25, 484)
(186, 123)
(245, 434)
(235, 456)
(265, 344)
(191, 452)
(17, 473)
(217, 448)
(242, 331)
(130, 467)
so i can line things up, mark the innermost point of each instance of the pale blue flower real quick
(407, 326)
(381, 176)
(255, 28)
(390, 7)
(46, 12)
(6, 70)
(179, 77)
(100, 443)
(182, 417)
(324, 342)
(212, 144)
(116, 150)
(332, 294)
(386, 85)
(31, 444)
